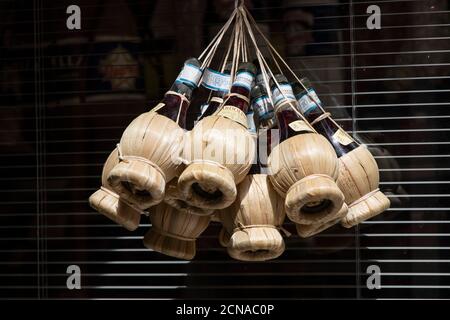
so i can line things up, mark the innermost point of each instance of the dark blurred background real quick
(66, 96)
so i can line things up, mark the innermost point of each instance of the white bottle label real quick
(216, 81)
(244, 79)
(284, 92)
(190, 75)
(300, 125)
(343, 137)
(307, 102)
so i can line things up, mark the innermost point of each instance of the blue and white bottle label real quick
(244, 79)
(284, 92)
(307, 101)
(190, 75)
(216, 81)
(263, 107)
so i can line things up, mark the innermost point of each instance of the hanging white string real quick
(264, 65)
(212, 46)
(272, 48)
(213, 41)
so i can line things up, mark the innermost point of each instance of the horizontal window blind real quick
(61, 116)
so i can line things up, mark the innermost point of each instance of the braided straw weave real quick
(174, 199)
(309, 230)
(359, 179)
(220, 152)
(150, 151)
(173, 232)
(108, 203)
(252, 221)
(304, 169)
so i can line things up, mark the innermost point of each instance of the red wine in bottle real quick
(219, 84)
(236, 106)
(310, 106)
(289, 122)
(173, 106)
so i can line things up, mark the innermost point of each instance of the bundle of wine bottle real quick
(316, 174)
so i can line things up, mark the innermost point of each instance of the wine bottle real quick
(210, 180)
(289, 122)
(358, 171)
(310, 106)
(173, 105)
(237, 101)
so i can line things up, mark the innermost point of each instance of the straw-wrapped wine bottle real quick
(216, 85)
(220, 150)
(358, 171)
(174, 233)
(151, 146)
(304, 166)
(108, 203)
(252, 221)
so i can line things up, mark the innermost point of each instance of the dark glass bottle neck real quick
(213, 105)
(309, 104)
(264, 109)
(237, 101)
(174, 108)
(334, 134)
(286, 116)
(311, 107)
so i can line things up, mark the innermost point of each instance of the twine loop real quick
(233, 94)
(243, 228)
(172, 235)
(321, 117)
(183, 99)
(126, 159)
(364, 197)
